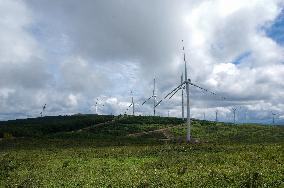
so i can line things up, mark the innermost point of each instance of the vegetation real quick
(39, 127)
(94, 151)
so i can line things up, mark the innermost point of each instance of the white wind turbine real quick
(43, 108)
(154, 96)
(273, 117)
(234, 113)
(182, 99)
(216, 114)
(187, 82)
(131, 105)
(97, 105)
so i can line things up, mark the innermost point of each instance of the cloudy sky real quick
(70, 54)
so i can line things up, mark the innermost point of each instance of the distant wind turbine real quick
(97, 105)
(131, 105)
(154, 96)
(234, 113)
(43, 108)
(273, 117)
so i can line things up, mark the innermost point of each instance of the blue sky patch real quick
(241, 57)
(276, 30)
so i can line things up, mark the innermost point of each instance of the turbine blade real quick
(174, 90)
(206, 90)
(158, 103)
(174, 93)
(147, 100)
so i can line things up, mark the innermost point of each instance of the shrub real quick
(7, 136)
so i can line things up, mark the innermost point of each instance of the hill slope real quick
(103, 151)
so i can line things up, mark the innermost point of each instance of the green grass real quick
(229, 133)
(226, 156)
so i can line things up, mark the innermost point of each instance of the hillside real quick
(127, 151)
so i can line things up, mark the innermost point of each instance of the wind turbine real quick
(154, 96)
(273, 117)
(216, 119)
(97, 104)
(132, 104)
(43, 108)
(187, 82)
(234, 112)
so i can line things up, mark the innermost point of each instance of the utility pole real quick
(182, 100)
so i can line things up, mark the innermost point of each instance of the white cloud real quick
(16, 44)
(68, 53)
(72, 100)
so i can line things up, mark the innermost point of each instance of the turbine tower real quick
(43, 108)
(182, 100)
(234, 112)
(273, 117)
(154, 96)
(97, 105)
(188, 136)
(131, 105)
(216, 118)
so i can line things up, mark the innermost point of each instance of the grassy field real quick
(93, 151)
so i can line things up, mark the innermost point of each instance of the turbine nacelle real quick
(187, 81)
